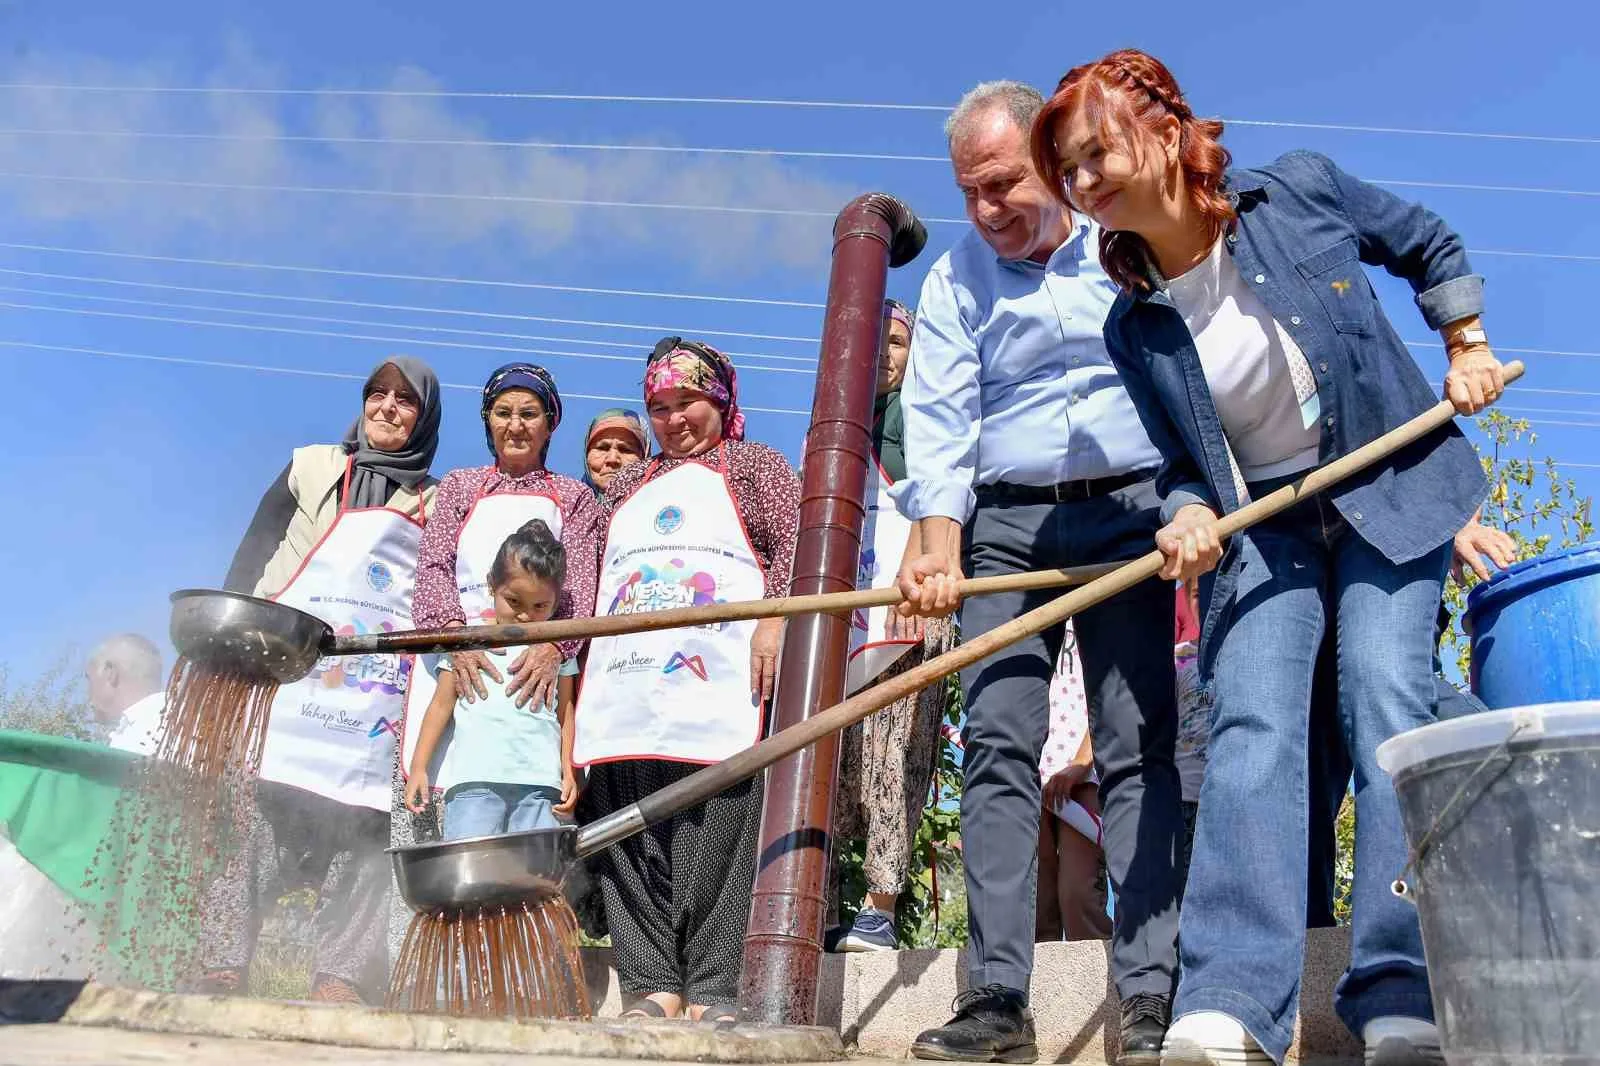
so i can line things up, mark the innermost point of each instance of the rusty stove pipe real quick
(783, 945)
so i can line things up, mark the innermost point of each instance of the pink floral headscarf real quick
(680, 364)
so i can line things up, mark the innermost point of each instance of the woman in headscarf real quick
(336, 535)
(616, 439)
(713, 517)
(477, 509)
(886, 763)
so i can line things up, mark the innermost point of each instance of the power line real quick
(1551, 411)
(398, 342)
(1514, 351)
(506, 316)
(467, 142)
(262, 368)
(430, 279)
(172, 305)
(402, 194)
(841, 105)
(558, 201)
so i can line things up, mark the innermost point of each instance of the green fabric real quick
(889, 435)
(76, 812)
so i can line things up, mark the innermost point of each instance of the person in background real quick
(1024, 452)
(126, 692)
(712, 517)
(519, 760)
(1071, 901)
(886, 763)
(336, 535)
(616, 438)
(1255, 349)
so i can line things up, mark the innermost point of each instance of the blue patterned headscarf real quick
(536, 379)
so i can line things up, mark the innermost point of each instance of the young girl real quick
(518, 759)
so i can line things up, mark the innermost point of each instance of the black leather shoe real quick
(1145, 1017)
(992, 1024)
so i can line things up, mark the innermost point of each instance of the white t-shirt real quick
(1245, 354)
(139, 730)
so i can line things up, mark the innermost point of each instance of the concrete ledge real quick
(879, 1002)
(76, 1003)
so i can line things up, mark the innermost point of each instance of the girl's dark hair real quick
(534, 550)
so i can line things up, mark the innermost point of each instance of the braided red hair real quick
(1126, 94)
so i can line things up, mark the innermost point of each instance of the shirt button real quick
(1260, 278)
(1322, 367)
(1294, 320)
(1355, 515)
(1076, 360)
(1329, 422)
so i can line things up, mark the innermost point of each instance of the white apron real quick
(883, 540)
(679, 694)
(491, 519)
(333, 732)
(1069, 721)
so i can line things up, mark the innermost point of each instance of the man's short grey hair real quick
(1021, 101)
(135, 656)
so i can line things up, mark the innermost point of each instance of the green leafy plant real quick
(52, 703)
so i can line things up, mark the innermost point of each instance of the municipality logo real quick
(381, 726)
(679, 661)
(379, 576)
(668, 519)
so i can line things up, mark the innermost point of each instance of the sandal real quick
(330, 989)
(718, 1016)
(644, 1008)
(226, 981)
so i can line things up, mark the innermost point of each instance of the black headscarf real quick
(378, 475)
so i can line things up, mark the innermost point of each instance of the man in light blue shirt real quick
(1024, 452)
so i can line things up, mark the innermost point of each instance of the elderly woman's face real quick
(609, 451)
(519, 427)
(685, 422)
(390, 410)
(892, 360)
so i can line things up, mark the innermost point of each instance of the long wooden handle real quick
(702, 785)
(464, 638)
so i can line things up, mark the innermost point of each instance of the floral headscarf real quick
(680, 364)
(896, 311)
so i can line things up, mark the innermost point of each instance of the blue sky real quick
(128, 478)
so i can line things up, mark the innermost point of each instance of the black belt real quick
(1061, 492)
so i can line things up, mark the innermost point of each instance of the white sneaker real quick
(1211, 1038)
(1398, 1041)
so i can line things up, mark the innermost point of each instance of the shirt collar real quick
(1073, 248)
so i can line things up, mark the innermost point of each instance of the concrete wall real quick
(879, 1002)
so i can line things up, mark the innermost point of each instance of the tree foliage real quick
(52, 703)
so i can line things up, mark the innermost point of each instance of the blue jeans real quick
(482, 808)
(1242, 932)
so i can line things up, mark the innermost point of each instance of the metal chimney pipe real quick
(783, 944)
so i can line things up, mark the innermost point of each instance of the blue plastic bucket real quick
(1536, 630)
(1502, 812)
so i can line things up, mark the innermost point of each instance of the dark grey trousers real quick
(1126, 648)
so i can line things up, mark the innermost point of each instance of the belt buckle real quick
(1063, 491)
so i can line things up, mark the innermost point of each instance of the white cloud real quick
(236, 221)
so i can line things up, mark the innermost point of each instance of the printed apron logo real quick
(669, 519)
(386, 673)
(379, 576)
(383, 725)
(672, 585)
(679, 661)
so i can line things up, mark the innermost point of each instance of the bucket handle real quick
(1399, 886)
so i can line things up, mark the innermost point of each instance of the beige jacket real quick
(315, 473)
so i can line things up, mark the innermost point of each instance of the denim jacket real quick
(1304, 228)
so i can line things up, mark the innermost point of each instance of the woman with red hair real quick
(1254, 350)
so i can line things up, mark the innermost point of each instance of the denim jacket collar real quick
(1239, 186)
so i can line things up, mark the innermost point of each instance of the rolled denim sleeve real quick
(1179, 479)
(941, 402)
(1410, 242)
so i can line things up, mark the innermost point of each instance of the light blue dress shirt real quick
(1009, 378)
